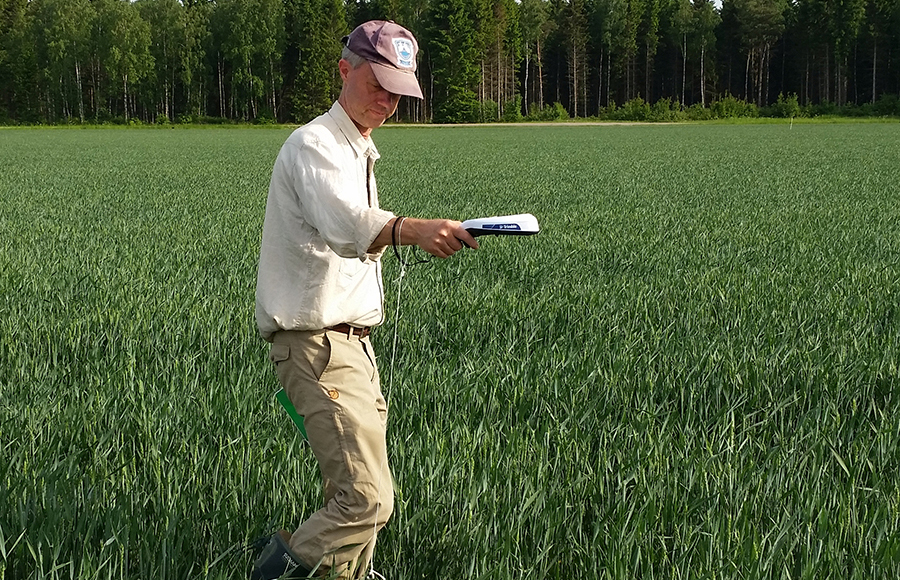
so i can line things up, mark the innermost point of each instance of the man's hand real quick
(441, 238)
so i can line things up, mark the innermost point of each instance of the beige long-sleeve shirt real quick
(315, 269)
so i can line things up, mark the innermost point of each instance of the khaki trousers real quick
(332, 380)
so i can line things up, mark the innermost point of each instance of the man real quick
(319, 291)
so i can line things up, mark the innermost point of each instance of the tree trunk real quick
(600, 83)
(683, 65)
(574, 80)
(501, 93)
(221, 89)
(805, 99)
(166, 96)
(763, 67)
(125, 87)
(629, 65)
(838, 82)
(251, 98)
(608, 74)
(525, 84)
(540, 76)
(584, 87)
(747, 77)
(272, 102)
(874, 66)
(65, 97)
(80, 92)
(94, 88)
(702, 75)
(632, 91)
(557, 78)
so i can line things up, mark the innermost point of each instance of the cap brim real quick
(397, 81)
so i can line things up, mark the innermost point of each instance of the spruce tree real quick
(454, 62)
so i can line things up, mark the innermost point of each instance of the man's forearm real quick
(438, 237)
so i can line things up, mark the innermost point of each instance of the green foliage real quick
(123, 45)
(313, 32)
(62, 60)
(554, 112)
(607, 112)
(61, 30)
(454, 59)
(888, 105)
(250, 34)
(863, 110)
(166, 19)
(665, 110)
(823, 109)
(488, 111)
(460, 106)
(103, 116)
(731, 107)
(786, 107)
(265, 118)
(634, 110)
(558, 113)
(512, 110)
(698, 112)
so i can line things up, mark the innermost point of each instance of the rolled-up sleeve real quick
(333, 199)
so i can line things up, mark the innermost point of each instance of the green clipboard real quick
(292, 412)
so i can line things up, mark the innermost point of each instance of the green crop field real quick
(692, 372)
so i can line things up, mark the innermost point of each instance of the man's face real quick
(367, 103)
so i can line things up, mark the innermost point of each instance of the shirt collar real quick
(363, 146)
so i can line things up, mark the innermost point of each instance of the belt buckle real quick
(351, 330)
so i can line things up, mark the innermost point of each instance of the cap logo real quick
(404, 49)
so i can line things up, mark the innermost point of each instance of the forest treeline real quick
(75, 61)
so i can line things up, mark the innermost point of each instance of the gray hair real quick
(354, 59)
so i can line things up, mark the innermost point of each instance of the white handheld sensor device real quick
(523, 224)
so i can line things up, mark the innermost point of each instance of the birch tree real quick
(166, 19)
(62, 33)
(682, 25)
(761, 24)
(846, 18)
(705, 21)
(575, 26)
(123, 41)
(534, 19)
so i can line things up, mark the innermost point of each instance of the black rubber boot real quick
(278, 560)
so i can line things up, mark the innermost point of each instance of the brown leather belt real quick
(351, 330)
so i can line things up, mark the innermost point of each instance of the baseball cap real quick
(391, 50)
